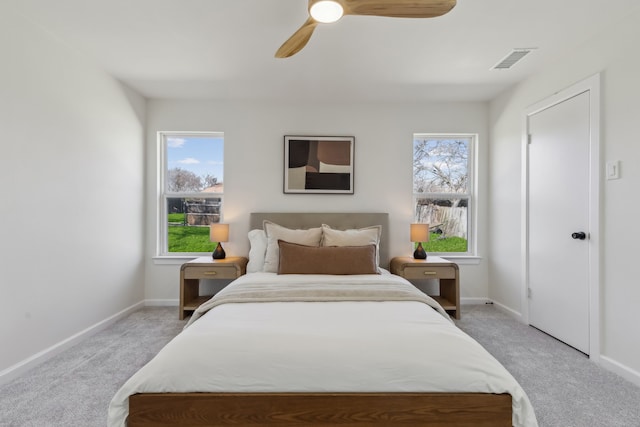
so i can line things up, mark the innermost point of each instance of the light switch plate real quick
(613, 170)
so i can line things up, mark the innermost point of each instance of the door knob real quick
(580, 235)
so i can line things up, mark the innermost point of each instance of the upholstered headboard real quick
(340, 221)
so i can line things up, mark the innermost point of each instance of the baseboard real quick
(20, 368)
(161, 302)
(508, 311)
(620, 369)
(604, 361)
(474, 301)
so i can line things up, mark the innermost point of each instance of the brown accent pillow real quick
(301, 259)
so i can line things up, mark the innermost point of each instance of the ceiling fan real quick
(327, 11)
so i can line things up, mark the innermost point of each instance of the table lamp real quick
(218, 233)
(420, 233)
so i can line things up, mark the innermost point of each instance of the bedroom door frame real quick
(592, 86)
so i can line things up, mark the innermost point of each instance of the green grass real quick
(189, 239)
(448, 244)
(196, 239)
(176, 217)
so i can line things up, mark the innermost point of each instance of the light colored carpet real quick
(566, 389)
(75, 388)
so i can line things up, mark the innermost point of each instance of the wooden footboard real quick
(304, 409)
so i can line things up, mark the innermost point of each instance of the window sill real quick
(462, 259)
(173, 259)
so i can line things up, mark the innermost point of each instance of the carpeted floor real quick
(566, 389)
(75, 388)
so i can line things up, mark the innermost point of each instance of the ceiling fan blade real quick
(298, 40)
(398, 8)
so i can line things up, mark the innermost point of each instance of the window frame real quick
(162, 241)
(470, 195)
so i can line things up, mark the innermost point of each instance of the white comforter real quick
(351, 346)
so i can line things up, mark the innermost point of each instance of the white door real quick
(558, 190)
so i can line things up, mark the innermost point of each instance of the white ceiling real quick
(225, 48)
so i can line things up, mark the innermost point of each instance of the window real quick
(192, 189)
(443, 191)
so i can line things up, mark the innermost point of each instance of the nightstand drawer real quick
(206, 268)
(445, 272)
(217, 272)
(424, 272)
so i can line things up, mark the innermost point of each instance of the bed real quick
(321, 348)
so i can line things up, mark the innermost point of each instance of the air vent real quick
(511, 59)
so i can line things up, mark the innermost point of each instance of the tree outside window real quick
(191, 176)
(442, 189)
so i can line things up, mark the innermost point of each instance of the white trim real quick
(591, 85)
(620, 369)
(474, 301)
(176, 260)
(162, 195)
(524, 221)
(509, 312)
(20, 368)
(594, 218)
(459, 259)
(161, 226)
(471, 195)
(435, 195)
(161, 303)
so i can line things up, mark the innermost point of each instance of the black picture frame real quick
(318, 164)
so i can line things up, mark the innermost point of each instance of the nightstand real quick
(433, 268)
(205, 268)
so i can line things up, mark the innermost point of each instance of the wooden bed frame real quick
(304, 409)
(318, 409)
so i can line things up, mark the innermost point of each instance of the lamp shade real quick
(419, 232)
(219, 232)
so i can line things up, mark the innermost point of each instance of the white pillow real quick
(353, 237)
(257, 250)
(275, 232)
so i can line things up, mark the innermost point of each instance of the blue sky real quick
(450, 156)
(198, 154)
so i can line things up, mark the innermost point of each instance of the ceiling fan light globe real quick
(326, 11)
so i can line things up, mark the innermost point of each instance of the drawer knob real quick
(210, 273)
(429, 273)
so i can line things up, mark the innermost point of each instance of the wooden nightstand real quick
(433, 268)
(205, 268)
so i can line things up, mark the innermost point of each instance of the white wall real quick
(72, 178)
(620, 293)
(253, 177)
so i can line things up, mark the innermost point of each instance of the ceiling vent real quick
(511, 59)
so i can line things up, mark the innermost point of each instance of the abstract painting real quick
(318, 164)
